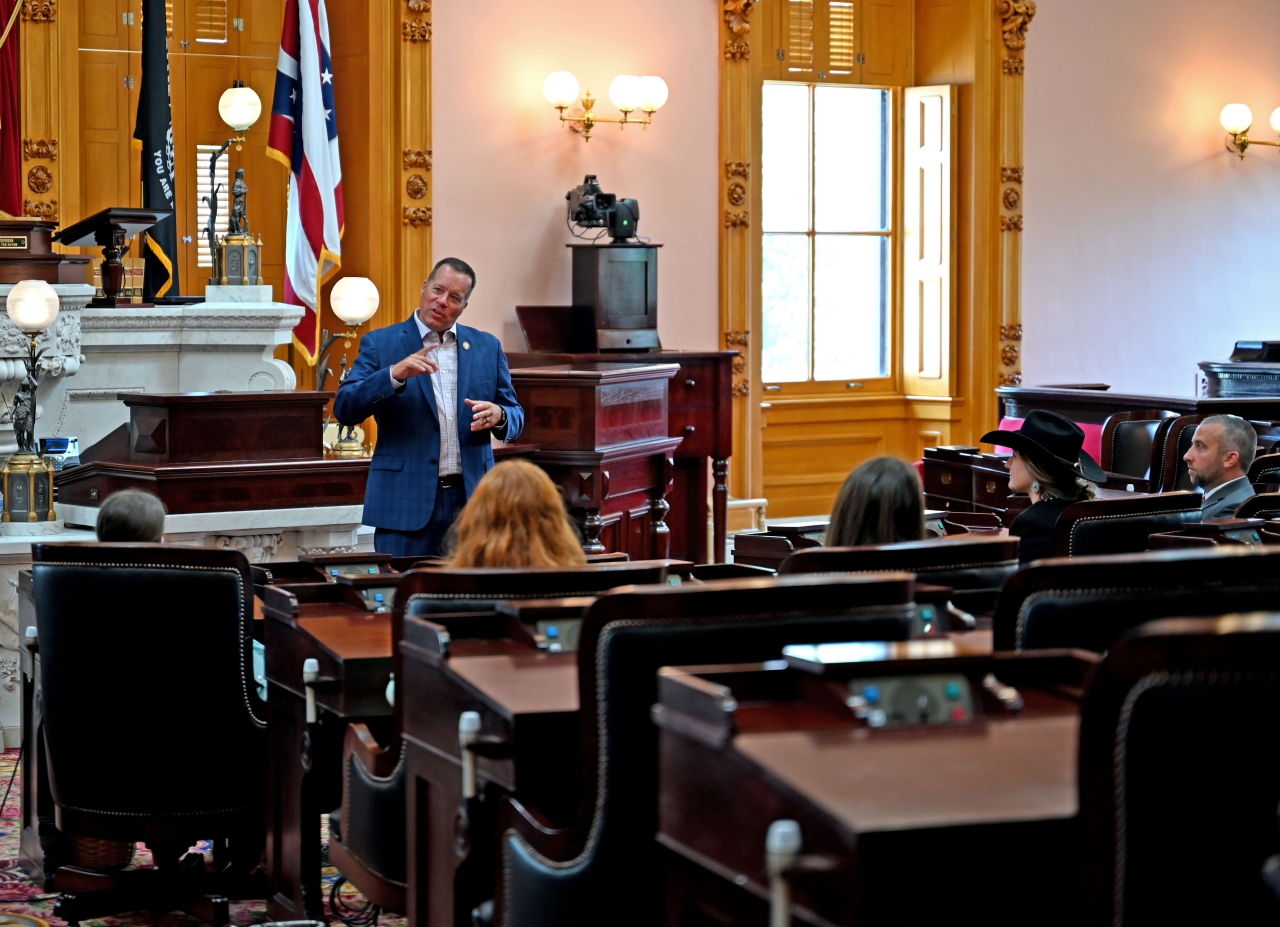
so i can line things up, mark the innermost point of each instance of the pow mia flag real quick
(154, 132)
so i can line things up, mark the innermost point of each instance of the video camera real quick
(591, 208)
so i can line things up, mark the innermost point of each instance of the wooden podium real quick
(602, 436)
(218, 452)
(700, 411)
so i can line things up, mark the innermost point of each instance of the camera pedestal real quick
(615, 297)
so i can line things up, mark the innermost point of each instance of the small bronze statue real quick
(24, 410)
(238, 223)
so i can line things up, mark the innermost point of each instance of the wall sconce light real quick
(627, 92)
(1236, 118)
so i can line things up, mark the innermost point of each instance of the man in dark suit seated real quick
(437, 390)
(1218, 462)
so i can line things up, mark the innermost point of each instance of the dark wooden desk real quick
(700, 411)
(331, 623)
(527, 700)
(601, 428)
(1094, 406)
(892, 820)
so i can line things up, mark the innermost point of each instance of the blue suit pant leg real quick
(428, 541)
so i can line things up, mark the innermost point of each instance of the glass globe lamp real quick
(239, 107)
(32, 305)
(354, 300)
(560, 89)
(625, 92)
(653, 93)
(1236, 118)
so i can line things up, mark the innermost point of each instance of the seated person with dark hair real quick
(131, 515)
(1218, 462)
(881, 502)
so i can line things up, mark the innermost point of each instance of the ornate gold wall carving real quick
(39, 148)
(39, 179)
(1015, 17)
(737, 15)
(41, 210)
(737, 51)
(40, 11)
(416, 186)
(736, 220)
(417, 216)
(414, 157)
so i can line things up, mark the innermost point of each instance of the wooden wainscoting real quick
(811, 444)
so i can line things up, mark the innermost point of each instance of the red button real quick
(959, 714)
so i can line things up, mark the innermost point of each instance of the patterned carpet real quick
(22, 904)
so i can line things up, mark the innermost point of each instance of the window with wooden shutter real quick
(211, 22)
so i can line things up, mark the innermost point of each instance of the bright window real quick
(827, 235)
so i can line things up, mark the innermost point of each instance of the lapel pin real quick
(466, 345)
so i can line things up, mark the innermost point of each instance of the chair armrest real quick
(556, 843)
(359, 741)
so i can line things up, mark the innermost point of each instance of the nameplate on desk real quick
(13, 242)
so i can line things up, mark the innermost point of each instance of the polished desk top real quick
(1014, 769)
(351, 636)
(521, 683)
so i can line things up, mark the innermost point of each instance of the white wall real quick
(502, 161)
(1147, 247)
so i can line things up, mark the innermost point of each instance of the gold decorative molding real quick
(1011, 175)
(737, 169)
(417, 216)
(415, 30)
(1011, 223)
(1012, 198)
(739, 365)
(39, 11)
(39, 148)
(41, 210)
(736, 220)
(742, 389)
(1015, 17)
(1011, 379)
(1009, 355)
(416, 186)
(419, 6)
(416, 157)
(737, 15)
(737, 194)
(39, 179)
(1011, 332)
(737, 339)
(737, 51)
(1013, 64)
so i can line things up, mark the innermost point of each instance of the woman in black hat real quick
(1049, 465)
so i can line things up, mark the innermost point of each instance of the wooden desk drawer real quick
(955, 481)
(990, 488)
(935, 502)
(693, 384)
(696, 427)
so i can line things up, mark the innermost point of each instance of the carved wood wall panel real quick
(1014, 17)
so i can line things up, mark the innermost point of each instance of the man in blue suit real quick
(437, 390)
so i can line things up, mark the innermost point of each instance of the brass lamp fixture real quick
(354, 300)
(239, 107)
(627, 92)
(1236, 118)
(26, 477)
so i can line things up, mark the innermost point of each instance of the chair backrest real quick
(1173, 469)
(1179, 772)
(1121, 525)
(1089, 602)
(962, 562)
(627, 637)
(147, 649)
(1128, 439)
(1265, 469)
(1264, 505)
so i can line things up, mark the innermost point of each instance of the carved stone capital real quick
(257, 548)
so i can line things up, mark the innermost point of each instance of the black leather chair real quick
(367, 834)
(1129, 445)
(962, 562)
(1121, 525)
(1265, 470)
(1176, 436)
(1264, 505)
(1179, 770)
(146, 658)
(1089, 602)
(605, 869)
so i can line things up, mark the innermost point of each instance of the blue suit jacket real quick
(405, 470)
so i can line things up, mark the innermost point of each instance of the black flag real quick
(155, 131)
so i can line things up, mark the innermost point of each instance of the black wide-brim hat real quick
(1052, 442)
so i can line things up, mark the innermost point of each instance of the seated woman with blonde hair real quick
(515, 518)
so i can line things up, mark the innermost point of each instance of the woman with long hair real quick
(881, 502)
(515, 518)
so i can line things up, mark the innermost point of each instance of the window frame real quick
(890, 384)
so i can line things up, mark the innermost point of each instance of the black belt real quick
(452, 481)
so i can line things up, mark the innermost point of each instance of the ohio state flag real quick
(304, 136)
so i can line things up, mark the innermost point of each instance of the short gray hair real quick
(1237, 435)
(131, 515)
